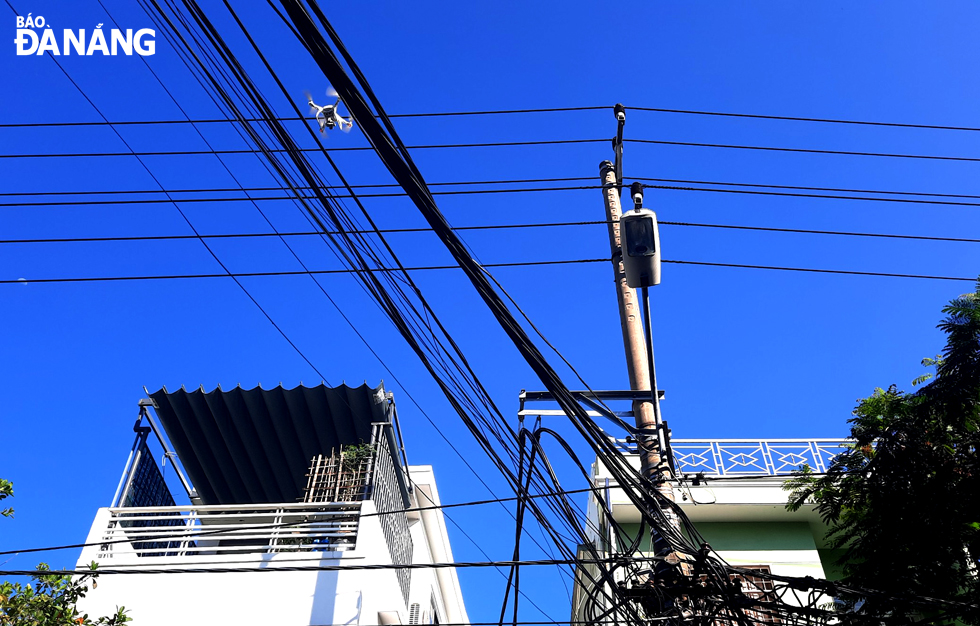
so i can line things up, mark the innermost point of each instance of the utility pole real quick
(652, 436)
(637, 363)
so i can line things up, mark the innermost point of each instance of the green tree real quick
(903, 502)
(50, 600)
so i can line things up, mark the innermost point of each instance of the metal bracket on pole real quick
(620, 112)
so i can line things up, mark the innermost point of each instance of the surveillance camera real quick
(636, 191)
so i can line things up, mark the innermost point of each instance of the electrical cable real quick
(790, 118)
(498, 144)
(291, 199)
(250, 189)
(492, 144)
(517, 181)
(892, 155)
(757, 192)
(486, 227)
(808, 188)
(760, 116)
(86, 279)
(271, 526)
(309, 568)
(296, 119)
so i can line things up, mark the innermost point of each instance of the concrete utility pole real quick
(633, 337)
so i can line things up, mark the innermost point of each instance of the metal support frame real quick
(392, 410)
(168, 451)
(135, 454)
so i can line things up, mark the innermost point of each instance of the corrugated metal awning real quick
(245, 446)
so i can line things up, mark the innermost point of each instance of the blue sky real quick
(740, 352)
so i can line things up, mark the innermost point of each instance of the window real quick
(757, 588)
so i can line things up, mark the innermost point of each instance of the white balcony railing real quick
(748, 457)
(175, 531)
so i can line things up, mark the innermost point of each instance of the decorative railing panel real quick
(748, 457)
(225, 530)
(147, 489)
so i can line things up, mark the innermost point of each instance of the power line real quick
(727, 114)
(296, 119)
(458, 192)
(806, 188)
(512, 181)
(894, 155)
(204, 532)
(494, 144)
(481, 227)
(298, 187)
(497, 144)
(532, 623)
(819, 271)
(88, 279)
(321, 568)
(756, 192)
(790, 118)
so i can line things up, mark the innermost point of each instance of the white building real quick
(299, 501)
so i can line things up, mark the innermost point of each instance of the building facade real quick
(300, 509)
(730, 489)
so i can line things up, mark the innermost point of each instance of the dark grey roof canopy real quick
(251, 446)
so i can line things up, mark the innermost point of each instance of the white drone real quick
(327, 115)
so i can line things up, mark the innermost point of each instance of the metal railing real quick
(748, 457)
(391, 503)
(228, 530)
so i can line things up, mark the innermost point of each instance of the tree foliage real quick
(902, 502)
(6, 491)
(50, 600)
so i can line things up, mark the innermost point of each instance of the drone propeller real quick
(331, 92)
(309, 101)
